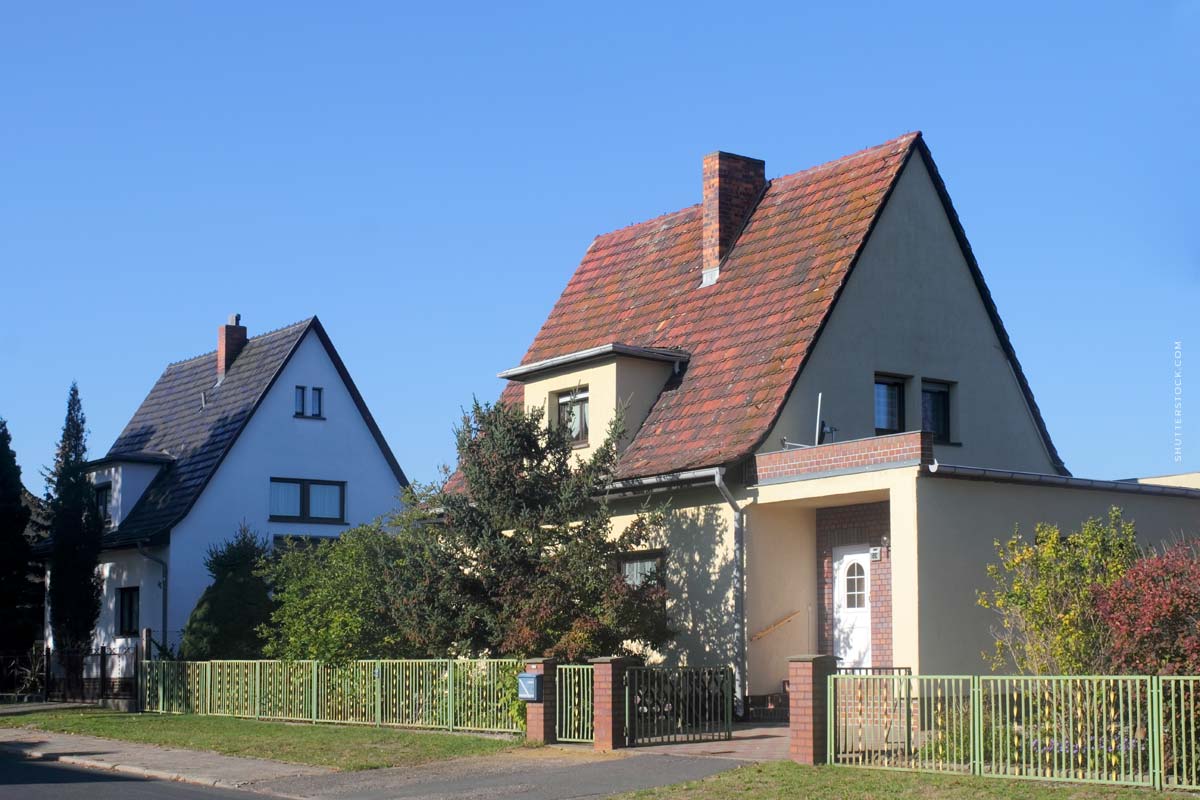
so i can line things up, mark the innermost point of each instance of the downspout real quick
(739, 590)
(163, 564)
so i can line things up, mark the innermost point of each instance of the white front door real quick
(852, 605)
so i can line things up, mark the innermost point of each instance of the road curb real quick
(128, 769)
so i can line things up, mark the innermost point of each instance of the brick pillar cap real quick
(818, 657)
(541, 660)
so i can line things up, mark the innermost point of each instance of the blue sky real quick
(426, 181)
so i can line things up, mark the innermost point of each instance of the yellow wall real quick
(959, 522)
(781, 582)
(632, 384)
(782, 565)
(1186, 480)
(699, 574)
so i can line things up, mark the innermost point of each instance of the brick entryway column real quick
(540, 717)
(807, 677)
(608, 692)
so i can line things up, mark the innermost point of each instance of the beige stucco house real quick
(815, 378)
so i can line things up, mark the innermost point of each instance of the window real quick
(301, 500)
(889, 405)
(637, 568)
(315, 410)
(856, 586)
(935, 410)
(128, 605)
(573, 414)
(104, 500)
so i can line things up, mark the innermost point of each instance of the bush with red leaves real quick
(1153, 615)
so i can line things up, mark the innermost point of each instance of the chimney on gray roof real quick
(231, 338)
(732, 186)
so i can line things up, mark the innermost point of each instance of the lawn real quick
(782, 779)
(341, 747)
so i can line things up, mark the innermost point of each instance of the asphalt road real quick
(32, 779)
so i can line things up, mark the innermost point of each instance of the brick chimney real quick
(231, 338)
(732, 186)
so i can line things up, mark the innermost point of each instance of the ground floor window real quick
(639, 567)
(128, 606)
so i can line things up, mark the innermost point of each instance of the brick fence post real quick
(608, 693)
(540, 717)
(807, 678)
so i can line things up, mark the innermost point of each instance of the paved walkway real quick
(757, 742)
(149, 761)
(548, 773)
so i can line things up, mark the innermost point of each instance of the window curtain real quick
(285, 499)
(324, 501)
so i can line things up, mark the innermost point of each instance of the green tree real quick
(75, 532)
(525, 560)
(18, 594)
(333, 598)
(226, 620)
(1044, 594)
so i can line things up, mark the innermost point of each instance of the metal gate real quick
(573, 716)
(687, 704)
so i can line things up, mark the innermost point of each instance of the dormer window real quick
(310, 403)
(573, 414)
(104, 501)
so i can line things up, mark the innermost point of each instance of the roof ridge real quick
(248, 340)
(911, 136)
(631, 225)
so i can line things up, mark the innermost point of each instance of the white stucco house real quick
(268, 429)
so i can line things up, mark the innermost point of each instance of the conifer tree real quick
(17, 591)
(75, 532)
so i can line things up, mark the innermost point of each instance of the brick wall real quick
(915, 446)
(864, 524)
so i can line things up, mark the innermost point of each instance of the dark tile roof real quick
(195, 436)
(750, 333)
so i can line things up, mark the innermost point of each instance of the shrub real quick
(225, 620)
(1045, 595)
(1152, 614)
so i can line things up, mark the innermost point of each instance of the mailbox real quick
(529, 687)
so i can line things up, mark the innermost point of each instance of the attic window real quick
(573, 414)
(889, 405)
(104, 501)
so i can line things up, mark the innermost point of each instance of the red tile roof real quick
(750, 332)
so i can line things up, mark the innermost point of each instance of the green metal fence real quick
(1112, 729)
(687, 704)
(472, 695)
(574, 706)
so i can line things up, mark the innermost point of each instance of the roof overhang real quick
(130, 458)
(1064, 481)
(527, 372)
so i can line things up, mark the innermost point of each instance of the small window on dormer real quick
(300, 392)
(318, 401)
(104, 501)
(573, 414)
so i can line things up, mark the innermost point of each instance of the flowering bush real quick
(1152, 614)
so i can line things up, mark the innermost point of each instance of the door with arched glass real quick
(852, 605)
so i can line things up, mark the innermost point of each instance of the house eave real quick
(526, 372)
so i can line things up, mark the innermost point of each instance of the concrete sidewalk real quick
(549, 773)
(150, 761)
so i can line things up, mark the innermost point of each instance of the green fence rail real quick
(687, 704)
(469, 695)
(1111, 729)
(574, 706)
